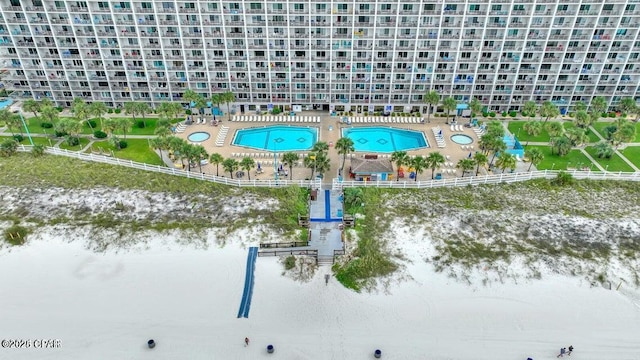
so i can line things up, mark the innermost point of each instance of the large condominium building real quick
(343, 55)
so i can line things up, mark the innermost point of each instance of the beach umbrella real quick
(258, 166)
(440, 133)
(470, 155)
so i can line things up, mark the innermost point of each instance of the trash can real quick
(377, 354)
(270, 349)
(151, 344)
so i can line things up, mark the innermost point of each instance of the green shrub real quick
(570, 114)
(92, 123)
(612, 114)
(563, 178)
(99, 134)
(140, 124)
(485, 114)
(60, 133)
(117, 111)
(289, 262)
(624, 115)
(188, 112)
(473, 114)
(110, 111)
(18, 137)
(492, 114)
(276, 111)
(73, 140)
(604, 115)
(513, 113)
(504, 114)
(59, 108)
(16, 234)
(46, 125)
(123, 144)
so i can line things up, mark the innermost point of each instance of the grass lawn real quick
(632, 153)
(599, 126)
(593, 138)
(34, 127)
(137, 150)
(555, 162)
(515, 127)
(83, 143)
(148, 130)
(615, 163)
(46, 141)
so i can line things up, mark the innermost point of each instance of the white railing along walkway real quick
(489, 179)
(177, 172)
(337, 184)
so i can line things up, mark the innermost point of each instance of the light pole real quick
(606, 168)
(553, 166)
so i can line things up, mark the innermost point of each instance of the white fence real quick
(173, 171)
(489, 179)
(337, 184)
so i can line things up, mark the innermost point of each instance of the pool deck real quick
(329, 132)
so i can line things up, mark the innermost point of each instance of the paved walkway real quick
(326, 219)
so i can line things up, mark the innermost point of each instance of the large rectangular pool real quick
(385, 139)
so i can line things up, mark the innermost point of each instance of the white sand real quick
(107, 305)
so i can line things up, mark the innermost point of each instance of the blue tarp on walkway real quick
(245, 304)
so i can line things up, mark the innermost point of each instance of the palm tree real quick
(216, 159)
(190, 97)
(506, 160)
(81, 111)
(98, 109)
(496, 128)
(400, 158)
(162, 131)
(158, 144)
(582, 120)
(143, 110)
(216, 99)
(480, 159)
(418, 164)
(247, 164)
(625, 132)
(110, 126)
(189, 153)
(169, 110)
(320, 147)
(627, 105)
(9, 119)
(603, 150)
(548, 110)
(535, 157)
(201, 154)
(434, 161)
(598, 106)
(131, 108)
(228, 97)
(533, 128)
(530, 108)
(31, 105)
(290, 158)
(317, 162)
(496, 146)
(70, 127)
(344, 145)
(200, 104)
(475, 105)
(431, 98)
(465, 165)
(577, 136)
(449, 104)
(124, 124)
(580, 106)
(50, 114)
(562, 145)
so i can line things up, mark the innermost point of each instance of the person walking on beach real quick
(570, 350)
(246, 341)
(562, 351)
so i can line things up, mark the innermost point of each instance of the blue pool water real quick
(385, 139)
(5, 103)
(461, 139)
(277, 138)
(199, 136)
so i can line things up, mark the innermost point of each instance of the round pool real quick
(461, 139)
(199, 136)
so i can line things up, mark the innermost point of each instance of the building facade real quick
(342, 55)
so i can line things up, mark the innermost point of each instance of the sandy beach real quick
(107, 305)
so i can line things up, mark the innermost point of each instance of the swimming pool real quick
(461, 139)
(198, 136)
(5, 103)
(277, 138)
(385, 139)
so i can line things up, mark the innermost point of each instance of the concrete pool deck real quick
(330, 129)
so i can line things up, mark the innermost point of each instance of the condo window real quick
(607, 7)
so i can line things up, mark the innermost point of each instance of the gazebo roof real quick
(370, 166)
